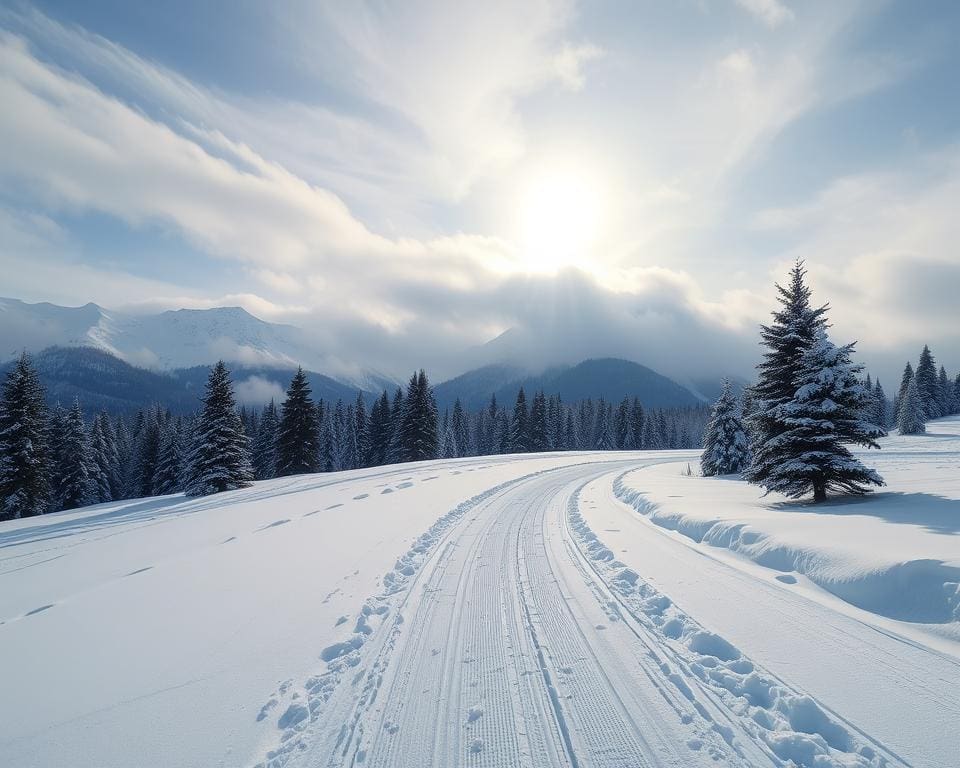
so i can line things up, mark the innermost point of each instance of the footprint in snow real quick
(405, 485)
(786, 578)
(600, 626)
(140, 570)
(41, 609)
(360, 496)
(386, 490)
(274, 524)
(474, 713)
(334, 506)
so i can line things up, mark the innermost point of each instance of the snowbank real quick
(895, 553)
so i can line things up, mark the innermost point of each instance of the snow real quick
(598, 609)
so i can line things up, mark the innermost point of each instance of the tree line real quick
(54, 459)
(790, 430)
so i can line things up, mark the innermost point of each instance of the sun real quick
(560, 216)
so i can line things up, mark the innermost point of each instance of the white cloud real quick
(256, 391)
(773, 13)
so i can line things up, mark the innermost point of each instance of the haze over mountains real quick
(120, 361)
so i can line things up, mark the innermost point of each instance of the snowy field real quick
(574, 610)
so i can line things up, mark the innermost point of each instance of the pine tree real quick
(881, 419)
(603, 440)
(171, 460)
(569, 432)
(821, 419)
(419, 439)
(121, 440)
(636, 425)
(361, 436)
(725, 445)
(926, 377)
(147, 452)
(448, 443)
(794, 329)
(74, 481)
(24, 462)
(944, 393)
(539, 440)
(621, 428)
(101, 467)
(378, 430)
(297, 438)
(56, 453)
(264, 450)
(351, 449)
(219, 460)
(904, 383)
(397, 410)
(911, 419)
(461, 430)
(519, 441)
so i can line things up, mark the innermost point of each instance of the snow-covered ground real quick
(571, 609)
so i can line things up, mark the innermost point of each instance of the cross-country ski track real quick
(536, 620)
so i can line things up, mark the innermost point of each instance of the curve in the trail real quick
(514, 647)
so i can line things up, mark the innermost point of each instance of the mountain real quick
(166, 341)
(611, 378)
(102, 381)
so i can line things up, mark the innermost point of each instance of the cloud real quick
(773, 13)
(256, 391)
(881, 246)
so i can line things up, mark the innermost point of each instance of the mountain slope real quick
(610, 378)
(164, 341)
(102, 381)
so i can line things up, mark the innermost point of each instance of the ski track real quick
(510, 635)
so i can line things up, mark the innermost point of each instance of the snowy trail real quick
(487, 612)
(513, 648)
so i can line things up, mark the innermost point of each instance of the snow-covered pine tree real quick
(297, 438)
(264, 450)
(219, 460)
(794, 328)
(419, 438)
(361, 435)
(569, 432)
(602, 432)
(904, 383)
(378, 432)
(538, 434)
(461, 429)
(636, 424)
(170, 463)
(881, 419)
(520, 425)
(926, 377)
(73, 484)
(24, 462)
(448, 443)
(956, 392)
(621, 427)
(351, 448)
(726, 447)
(823, 417)
(98, 438)
(395, 446)
(147, 452)
(910, 420)
(945, 393)
(56, 454)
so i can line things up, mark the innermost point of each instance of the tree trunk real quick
(819, 491)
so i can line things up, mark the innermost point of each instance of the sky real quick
(448, 184)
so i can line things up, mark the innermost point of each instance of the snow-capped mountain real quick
(167, 340)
